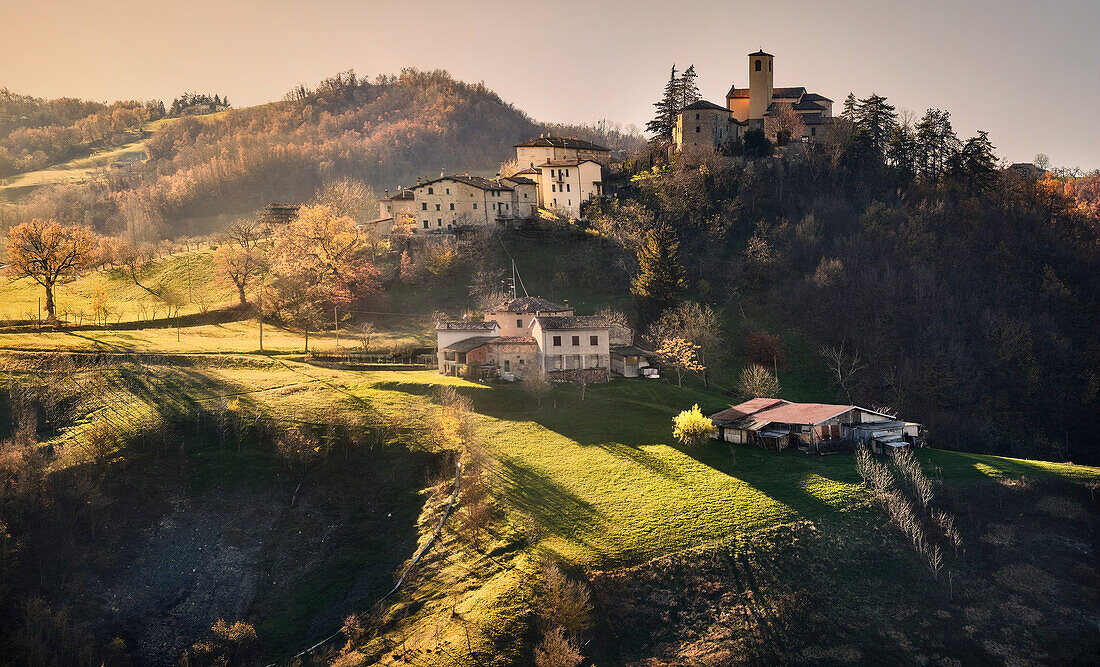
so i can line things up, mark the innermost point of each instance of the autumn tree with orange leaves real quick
(320, 260)
(49, 253)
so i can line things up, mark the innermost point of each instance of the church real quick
(705, 125)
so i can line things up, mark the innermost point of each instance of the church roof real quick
(807, 105)
(814, 97)
(704, 105)
(762, 53)
(736, 93)
(789, 93)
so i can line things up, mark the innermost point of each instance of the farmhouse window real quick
(696, 116)
(557, 341)
(448, 191)
(431, 191)
(519, 323)
(475, 205)
(576, 340)
(567, 188)
(551, 173)
(425, 224)
(452, 207)
(696, 128)
(423, 206)
(593, 340)
(439, 222)
(507, 366)
(567, 173)
(437, 207)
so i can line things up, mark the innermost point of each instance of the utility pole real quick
(39, 315)
(261, 314)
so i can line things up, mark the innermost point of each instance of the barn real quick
(774, 423)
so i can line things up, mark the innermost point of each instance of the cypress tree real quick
(663, 123)
(661, 279)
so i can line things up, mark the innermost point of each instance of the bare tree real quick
(843, 366)
(537, 386)
(366, 332)
(783, 124)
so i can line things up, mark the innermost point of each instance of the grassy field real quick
(191, 273)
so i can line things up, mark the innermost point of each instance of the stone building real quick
(527, 335)
(747, 108)
(544, 149)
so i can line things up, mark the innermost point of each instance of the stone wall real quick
(573, 376)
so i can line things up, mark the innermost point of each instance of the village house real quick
(454, 202)
(708, 125)
(560, 174)
(545, 149)
(523, 336)
(777, 424)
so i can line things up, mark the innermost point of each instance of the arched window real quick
(757, 65)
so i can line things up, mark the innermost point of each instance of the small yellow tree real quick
(681, 356)
(757, 382)
(692, 427)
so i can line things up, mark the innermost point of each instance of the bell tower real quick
(760, 85)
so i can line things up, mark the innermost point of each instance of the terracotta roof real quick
(520, 180)
(704, 105)
(564, 163)
(465, 325)
(563, 322)
(802, 413)
(747, 408)
(475, 181)
(469, 344)
(526, 171)
(562, 142)
(531, 304)
(736, 92)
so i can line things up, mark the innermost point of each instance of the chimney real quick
(418, 180)
(467, 173)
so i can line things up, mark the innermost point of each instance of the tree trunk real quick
(307, 340)
(49, 305)
(240, 293)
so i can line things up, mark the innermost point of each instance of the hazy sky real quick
(1028, 72)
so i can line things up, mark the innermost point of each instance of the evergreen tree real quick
(901, 150)
(875, 119)
(689, 91)
(977, 162)
(661, 279)
(663, 123)
(936, 143)
(850, 105)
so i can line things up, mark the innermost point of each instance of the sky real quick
(1025, 71)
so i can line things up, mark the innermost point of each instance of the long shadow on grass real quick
(561, 511)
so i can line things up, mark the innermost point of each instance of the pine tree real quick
(901, 150)
(661, 279)
(689, 90)
(978, 163)
(850, 106)
(937, 143)
(663, 123)
(875, 119)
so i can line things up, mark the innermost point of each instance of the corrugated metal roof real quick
(802, 413)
